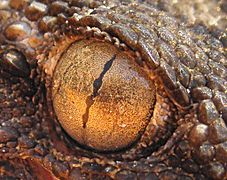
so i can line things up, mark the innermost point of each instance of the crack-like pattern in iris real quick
(96, 86)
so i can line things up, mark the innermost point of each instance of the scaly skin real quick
(183, 50)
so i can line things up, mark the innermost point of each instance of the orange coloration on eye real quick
(100, 95)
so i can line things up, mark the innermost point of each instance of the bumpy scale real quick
(174, 49)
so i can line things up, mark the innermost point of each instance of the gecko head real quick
(101, 97)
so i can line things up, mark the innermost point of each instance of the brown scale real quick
(177, 132)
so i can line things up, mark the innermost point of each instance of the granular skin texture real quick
(181, 45)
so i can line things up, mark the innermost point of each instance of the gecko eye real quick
(101, 97)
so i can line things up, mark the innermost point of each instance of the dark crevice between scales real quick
(96, 86)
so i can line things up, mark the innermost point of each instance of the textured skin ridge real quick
(187, 59)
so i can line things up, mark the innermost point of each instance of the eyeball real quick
(101, 97)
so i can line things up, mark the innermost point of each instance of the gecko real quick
(131, 89)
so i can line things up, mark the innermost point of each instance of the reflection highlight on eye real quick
(101, 97)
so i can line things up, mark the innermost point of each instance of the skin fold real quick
(181, 45)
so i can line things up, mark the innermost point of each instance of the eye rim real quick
(127, 154)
